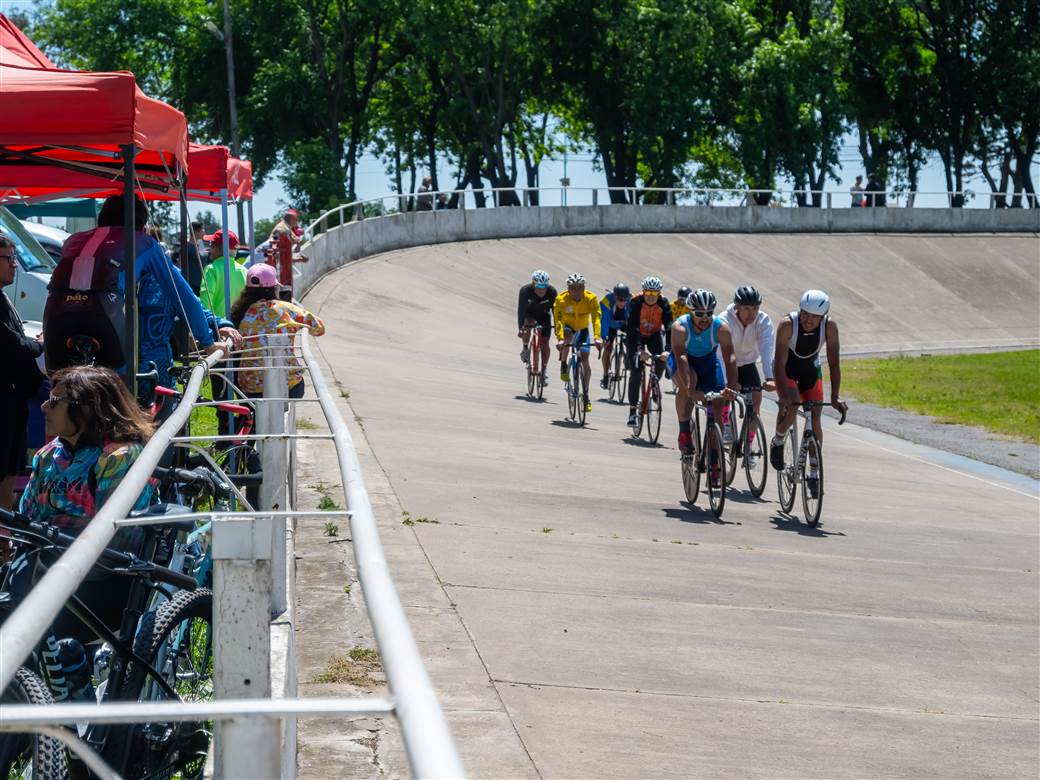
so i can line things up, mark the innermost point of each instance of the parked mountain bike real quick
(748, 444)
(709, 456)
(798, 462)
(617, 377)
(533, 366)
(649, 409)
(156, 654)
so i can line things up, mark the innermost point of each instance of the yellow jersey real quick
(678, 309)
(576, 315)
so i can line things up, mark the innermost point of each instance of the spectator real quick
(442, 201)
(211, 290)
(425, 202)
(21, 379)
(193, 259)
(858, 201)
(85, 296)
(259, 313)
(290, 225)
(98, 432)
(875, 196)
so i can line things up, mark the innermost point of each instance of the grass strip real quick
(996, 391)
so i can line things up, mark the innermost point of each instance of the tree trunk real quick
(474, 180)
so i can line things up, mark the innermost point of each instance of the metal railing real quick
(510, 197)
(253, 580)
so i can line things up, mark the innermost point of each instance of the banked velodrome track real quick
(638, 637)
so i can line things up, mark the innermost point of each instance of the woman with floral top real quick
(98, 431)
(258, 313)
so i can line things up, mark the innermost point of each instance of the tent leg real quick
(252, 226)
(184, 231)
(227, 253)
(129, 269)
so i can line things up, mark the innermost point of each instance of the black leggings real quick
(655, 346)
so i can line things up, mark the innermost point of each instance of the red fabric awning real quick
(60, 125)
(211, 169)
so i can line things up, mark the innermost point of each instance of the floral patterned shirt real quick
(68, 486)
(265, 318)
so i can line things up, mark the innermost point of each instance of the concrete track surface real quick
(579, 620)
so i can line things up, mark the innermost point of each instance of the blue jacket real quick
(607, 319)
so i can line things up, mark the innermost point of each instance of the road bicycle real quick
(798, 460)
(617, 376)
(576, 388)
(709, 456)
(649, 409)
(748, 444)
(534, 369)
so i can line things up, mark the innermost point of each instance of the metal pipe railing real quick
(28, 623)
(428, 743)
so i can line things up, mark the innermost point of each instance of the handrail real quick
(672, 195)
(431, 750)
(28, 623)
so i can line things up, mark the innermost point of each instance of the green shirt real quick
(211, 291)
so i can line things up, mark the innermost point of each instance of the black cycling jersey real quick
(532, 307)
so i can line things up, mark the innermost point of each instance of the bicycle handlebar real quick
(131, 563)
(810, 405)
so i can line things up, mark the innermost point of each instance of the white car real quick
(29, 291)
(49, 237)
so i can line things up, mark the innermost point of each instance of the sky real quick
(373, 182)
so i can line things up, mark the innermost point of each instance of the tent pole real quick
(129, 269)
(252, 237)
(227, 253)
(184, 229)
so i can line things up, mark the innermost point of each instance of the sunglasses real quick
(651, 293)
(707, 313)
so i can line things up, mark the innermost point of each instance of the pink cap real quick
(261, 275)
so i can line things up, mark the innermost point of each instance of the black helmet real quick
(621, 291)
(747, 296)
(682, 292)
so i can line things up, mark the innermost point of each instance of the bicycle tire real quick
(812, 506)
(623, 378)
(787, 478)
(713, 446)
(653, 411)
(733, 451)
(755, 449)
(531, 382)
(583, 392)
(31, 755)
(616, 391)
(691, 477)
(160, 642)
(540, 385)
(572, 409)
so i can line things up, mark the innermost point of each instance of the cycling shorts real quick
(654, 345)
(710, 378)
(583, 338)
(545, 327)
(748, 378)
(809, 384)
(612, 333)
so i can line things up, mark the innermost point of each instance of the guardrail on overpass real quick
(363, 228)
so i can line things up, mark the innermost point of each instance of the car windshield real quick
(31, 256)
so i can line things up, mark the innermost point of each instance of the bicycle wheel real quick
(531, 378)
(691, 464)
(715, 465)
(30, 755)
(653, 410)
(614, 377)
(583, 392)
(787, 477)
(572, 409)
(756, 459)
(177, 640)
(812, 504)
(623, 375)
(733, 449)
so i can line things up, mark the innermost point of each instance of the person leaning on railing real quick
(97, 431)
(259, 313)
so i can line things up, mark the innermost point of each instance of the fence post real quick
(595, 197)
(829, 194)
(359, 212)
(271, 420)
(527, 197)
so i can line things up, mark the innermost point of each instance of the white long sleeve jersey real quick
(756, 340)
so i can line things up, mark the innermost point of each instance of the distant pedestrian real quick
(858, 200)
(425, 201)
(875, 196)
(442, 201)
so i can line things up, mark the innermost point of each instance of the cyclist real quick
(679, 304)
(753, 339)
(534, 308)
(699, 336)
(649, 318)
(577, 311)
(799, 377)
(613, 318)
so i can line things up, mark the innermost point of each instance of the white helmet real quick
(652, 284)
(815, 302)
(701, 300)
(540, 278)
(575, 279)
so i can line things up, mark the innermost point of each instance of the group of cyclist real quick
(704, 352)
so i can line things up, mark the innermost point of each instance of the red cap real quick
(218, 238)
(292, 213)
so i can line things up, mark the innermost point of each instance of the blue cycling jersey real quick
(703, 343)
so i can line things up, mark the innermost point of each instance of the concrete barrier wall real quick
(355, 240)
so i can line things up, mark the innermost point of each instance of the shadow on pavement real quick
(744, 497)
(794, 524)
(691, 513)
(531, 399)
(632, 441)
(572, 424)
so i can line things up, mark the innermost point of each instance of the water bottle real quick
(77, 673)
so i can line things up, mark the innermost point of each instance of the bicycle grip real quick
(175, 578)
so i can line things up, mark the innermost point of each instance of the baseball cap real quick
(292, 213)
(261, 275)
(218, 238)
